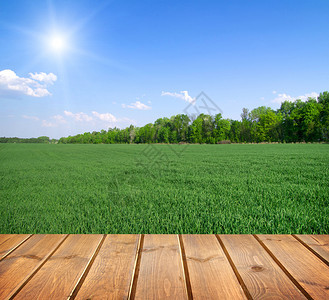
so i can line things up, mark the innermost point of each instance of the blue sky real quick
(67, 67)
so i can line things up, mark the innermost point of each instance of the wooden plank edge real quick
(36, 269)
(235, 270)
(294, 281)
(135, 273)
(86, 270)
(185, 267)
(15, 247)
(311, 249)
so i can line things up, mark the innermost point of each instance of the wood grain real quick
(161, 273)
(210, 273)
(164, 266)
(8, 242)
(60, 274)
(111, 273)
(318, 243)
(308, 270)
(19, 264)
(261, 275)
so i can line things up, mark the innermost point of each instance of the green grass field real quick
(278, 188)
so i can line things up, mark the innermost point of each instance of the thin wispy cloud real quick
(54, 121)
(59, 119)
(105, 117)
(95, 118)
(182, 95)
(80, 116)
(284, 97)
(33, 118)
(43, 77)
(46, 123)
(137, 105)
(35, 86)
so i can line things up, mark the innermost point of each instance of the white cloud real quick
(43, 77)
(274, 92)
(306, 96)
(137, 105)
(93, 122)
(48, 124)
(105, 117)
(55, 121)
(36, 86)
(31, 118)
(59, 119)
(284, 97)
(182, 95)
(80, 116)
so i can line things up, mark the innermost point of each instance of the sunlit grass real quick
(207, 189)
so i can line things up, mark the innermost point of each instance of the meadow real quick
(237, 188)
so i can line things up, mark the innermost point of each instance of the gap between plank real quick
(85, 272)
(312, 250)
(185, 268)
(294, 281)
(133, 283)
(14, 248)
(235, 270)
(25, 281)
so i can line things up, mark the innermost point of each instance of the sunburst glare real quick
(57, 43)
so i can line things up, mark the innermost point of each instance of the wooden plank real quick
(308, 270)
(261, 275)
(16, 268)
(161, 274)
(112, 271)
(60, 274)
(210, 273)
(9, 242)
(318, 244)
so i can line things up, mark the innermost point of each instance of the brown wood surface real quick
(111, 273)
(8, 242)
(18, 265)
(59, 275)
(210, 273)
(261, 275)
(164, 266)
(308, 270)
(161, 274)
(318, 243)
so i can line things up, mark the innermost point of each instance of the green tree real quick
(323, 100)
(195, 133)
(235, 132)
(287, 125)
(246, 126)
(310, 124)
(269, 127)
(221, 129)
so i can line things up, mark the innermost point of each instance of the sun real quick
(57, 43)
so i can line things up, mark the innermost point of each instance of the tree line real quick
(39, 140)
(296, 121)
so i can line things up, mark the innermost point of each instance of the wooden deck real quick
(164, 266)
